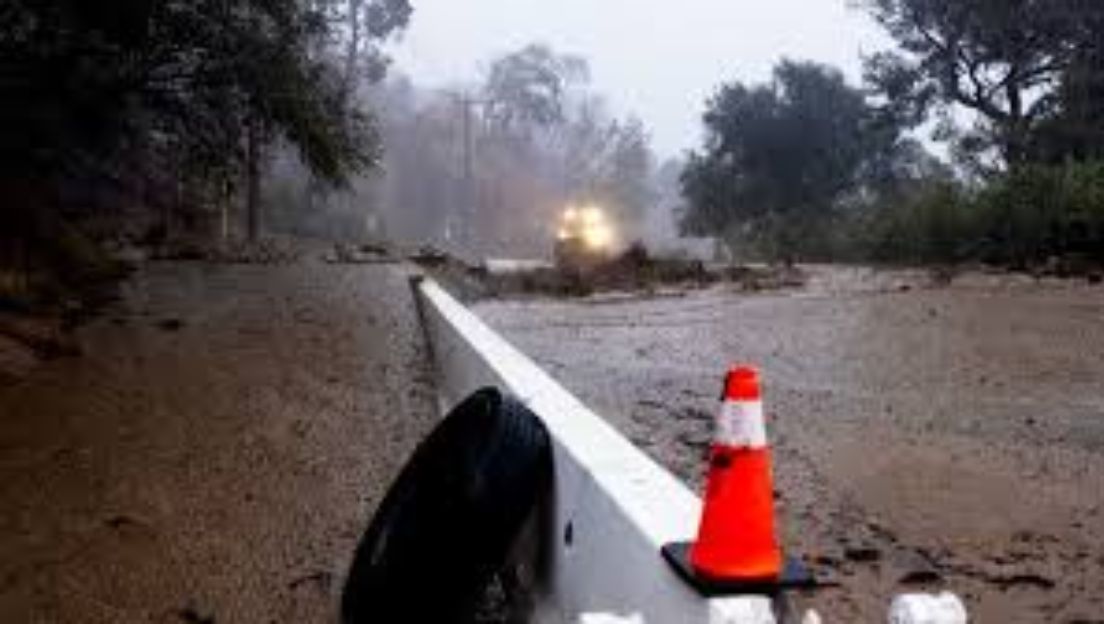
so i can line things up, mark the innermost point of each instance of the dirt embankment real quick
(924, 436)
(217, 449)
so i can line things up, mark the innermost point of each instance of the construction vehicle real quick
(584, 238)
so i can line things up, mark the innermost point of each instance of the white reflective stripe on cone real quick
(741, 425)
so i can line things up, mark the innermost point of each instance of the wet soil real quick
(924, 436)
(216, 451)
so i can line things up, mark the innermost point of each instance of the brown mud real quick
(925, 436)
(216, 451)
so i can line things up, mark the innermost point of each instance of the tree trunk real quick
(1016, 128)
(253, 179)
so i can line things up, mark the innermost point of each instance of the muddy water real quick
(217, 451)
(924, 437)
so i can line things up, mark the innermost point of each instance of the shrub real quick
(1024, 218)
(1036, 213)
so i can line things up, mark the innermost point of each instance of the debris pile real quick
(366, 253)
(635, 270)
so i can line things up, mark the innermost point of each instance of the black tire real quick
(448, 522)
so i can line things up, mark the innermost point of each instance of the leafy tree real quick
(780, 158)
(117, 93)
(605, 160)
(1002, 59)
(1075, 130)
(627, 183)
(528, 88)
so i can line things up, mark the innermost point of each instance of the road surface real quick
(215, 454)
(924, 437)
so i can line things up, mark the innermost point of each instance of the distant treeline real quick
(143, 118)
(810, 167)
(177, 126)
(486, 167)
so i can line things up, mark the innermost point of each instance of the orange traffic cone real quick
(736, 550)
(736, 540)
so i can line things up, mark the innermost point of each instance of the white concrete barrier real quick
(613, 506)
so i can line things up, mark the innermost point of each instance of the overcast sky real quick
(659, 59)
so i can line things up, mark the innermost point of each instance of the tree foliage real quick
(807, 166)
(138, 91)
(783, 155)
(1003, 59)
(528, 88)
(1035, 216)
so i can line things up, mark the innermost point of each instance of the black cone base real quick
(794, 576)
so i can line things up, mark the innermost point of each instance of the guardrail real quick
(612, 508)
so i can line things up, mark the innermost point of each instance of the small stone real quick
(118, 522)
(1022, 579)
(695, 438)
(171, 324)
(192, 616)
(862, 554)
(920, 577)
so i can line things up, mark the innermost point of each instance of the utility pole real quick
(252, 161)
(461, 222)
(468, 206)
(253, 177)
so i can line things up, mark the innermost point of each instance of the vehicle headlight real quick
(597, 236)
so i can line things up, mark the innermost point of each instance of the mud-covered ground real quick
(924, 436)
(216, 452)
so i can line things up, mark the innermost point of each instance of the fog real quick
(454, 177)
(485, 166)
(658, 60)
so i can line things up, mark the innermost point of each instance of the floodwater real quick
(216, 452)
(924, 436)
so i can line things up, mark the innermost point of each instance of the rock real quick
(45, 337)
(193, 616)
(120, 521)
(375, 249)
(693, 413)
(1021, 579)
(695, 438)
(920, 577)
(862, 554)
(429, 256)
(171, 324)
(320, 579)
(344, 253)
(945, 608)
